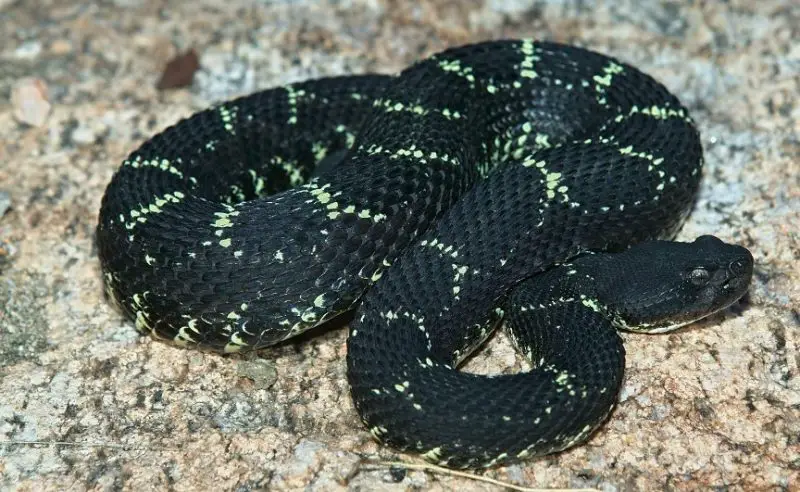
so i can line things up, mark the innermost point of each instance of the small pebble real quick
(261, 372)
(29, 99)
(180, 71)
(83, 135)
(60, 47)
(397, 474)
(28, 49)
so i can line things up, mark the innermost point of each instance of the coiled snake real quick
(499, 177)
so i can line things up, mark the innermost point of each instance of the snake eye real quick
(699, 276)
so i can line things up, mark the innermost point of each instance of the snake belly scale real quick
(425, 200)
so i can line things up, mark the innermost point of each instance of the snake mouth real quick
(734, 284)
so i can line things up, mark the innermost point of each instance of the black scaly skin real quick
(188, 290)
(202, 243)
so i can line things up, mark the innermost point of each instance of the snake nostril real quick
(738, 267)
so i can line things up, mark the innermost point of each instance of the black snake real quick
(429, 197)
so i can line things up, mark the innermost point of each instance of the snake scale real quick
(526, 181)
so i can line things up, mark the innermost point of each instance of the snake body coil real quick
(446, 186)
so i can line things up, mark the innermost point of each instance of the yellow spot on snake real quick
(141, 322)
(222, 222)
(533, 162)
(432, 454)
(604, 80)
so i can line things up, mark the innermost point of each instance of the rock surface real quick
(88, 404)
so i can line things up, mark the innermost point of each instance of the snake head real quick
(659, 286)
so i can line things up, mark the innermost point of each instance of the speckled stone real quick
(88, 404)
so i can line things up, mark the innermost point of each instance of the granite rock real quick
(88, 404)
